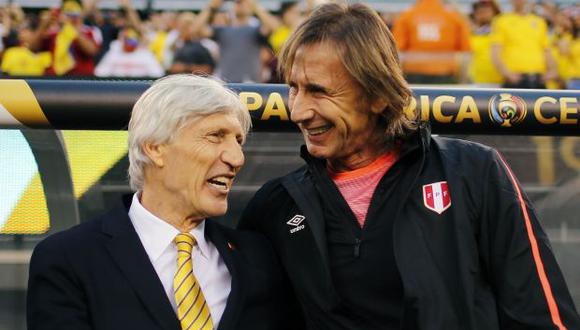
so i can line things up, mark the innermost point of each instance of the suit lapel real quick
(128, 253)
(236, 298)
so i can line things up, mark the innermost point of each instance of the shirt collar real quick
(157, 235)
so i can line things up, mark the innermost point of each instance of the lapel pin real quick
(231, 246)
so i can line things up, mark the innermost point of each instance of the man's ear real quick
(378, 106)
(155, 152)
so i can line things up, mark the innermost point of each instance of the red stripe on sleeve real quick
(553, 307)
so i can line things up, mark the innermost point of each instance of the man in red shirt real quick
(72, 43)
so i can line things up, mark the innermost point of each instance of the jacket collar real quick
(419, 139)
(218, 236)
(301, 188)
(127, 251)
(130, 256)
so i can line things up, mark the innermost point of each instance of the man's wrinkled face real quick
(199, 165)
(328, 105)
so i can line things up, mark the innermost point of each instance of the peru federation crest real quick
(436, 197)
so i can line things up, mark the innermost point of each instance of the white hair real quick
(167, 106)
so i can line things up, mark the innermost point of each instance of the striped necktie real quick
(192, 308)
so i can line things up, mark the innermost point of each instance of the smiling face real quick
(331, 110)
(192, 175)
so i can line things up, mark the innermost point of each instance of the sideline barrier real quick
(106, 105)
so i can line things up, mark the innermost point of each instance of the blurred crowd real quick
(531, 45)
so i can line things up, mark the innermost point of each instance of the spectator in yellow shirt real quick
(21, 60)
(520, 48)
(574, 55)
(290, 18)
(561, 42)
(482, 71)
(574, 82)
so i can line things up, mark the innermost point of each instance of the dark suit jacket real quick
(97, 275)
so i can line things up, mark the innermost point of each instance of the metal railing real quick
(106, 105)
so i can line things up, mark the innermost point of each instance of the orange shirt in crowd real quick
(429, 34)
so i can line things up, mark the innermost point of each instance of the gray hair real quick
(167, 106)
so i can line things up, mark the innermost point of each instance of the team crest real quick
(436, 197)
(507, 110)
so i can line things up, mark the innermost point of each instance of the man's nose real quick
(301, 108)
(233, 155)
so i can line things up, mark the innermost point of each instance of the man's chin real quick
(216, 208)
(318, 151)
(218, 212)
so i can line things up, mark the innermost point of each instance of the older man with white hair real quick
(156, 261)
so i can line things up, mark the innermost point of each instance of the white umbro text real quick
(296, 223)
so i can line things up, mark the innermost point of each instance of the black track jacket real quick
(476, 260)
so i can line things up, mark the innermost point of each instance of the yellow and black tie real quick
(192, 308)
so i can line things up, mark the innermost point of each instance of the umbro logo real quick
(296, 222)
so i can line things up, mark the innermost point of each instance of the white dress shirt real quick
(157, 237)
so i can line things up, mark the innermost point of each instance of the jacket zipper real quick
(357, 242)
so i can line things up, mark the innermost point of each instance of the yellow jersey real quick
(20, 61)
(575, 59)
(157, 45)
(558, 44)
(481, 69)
(279, 37)
(523, 40)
